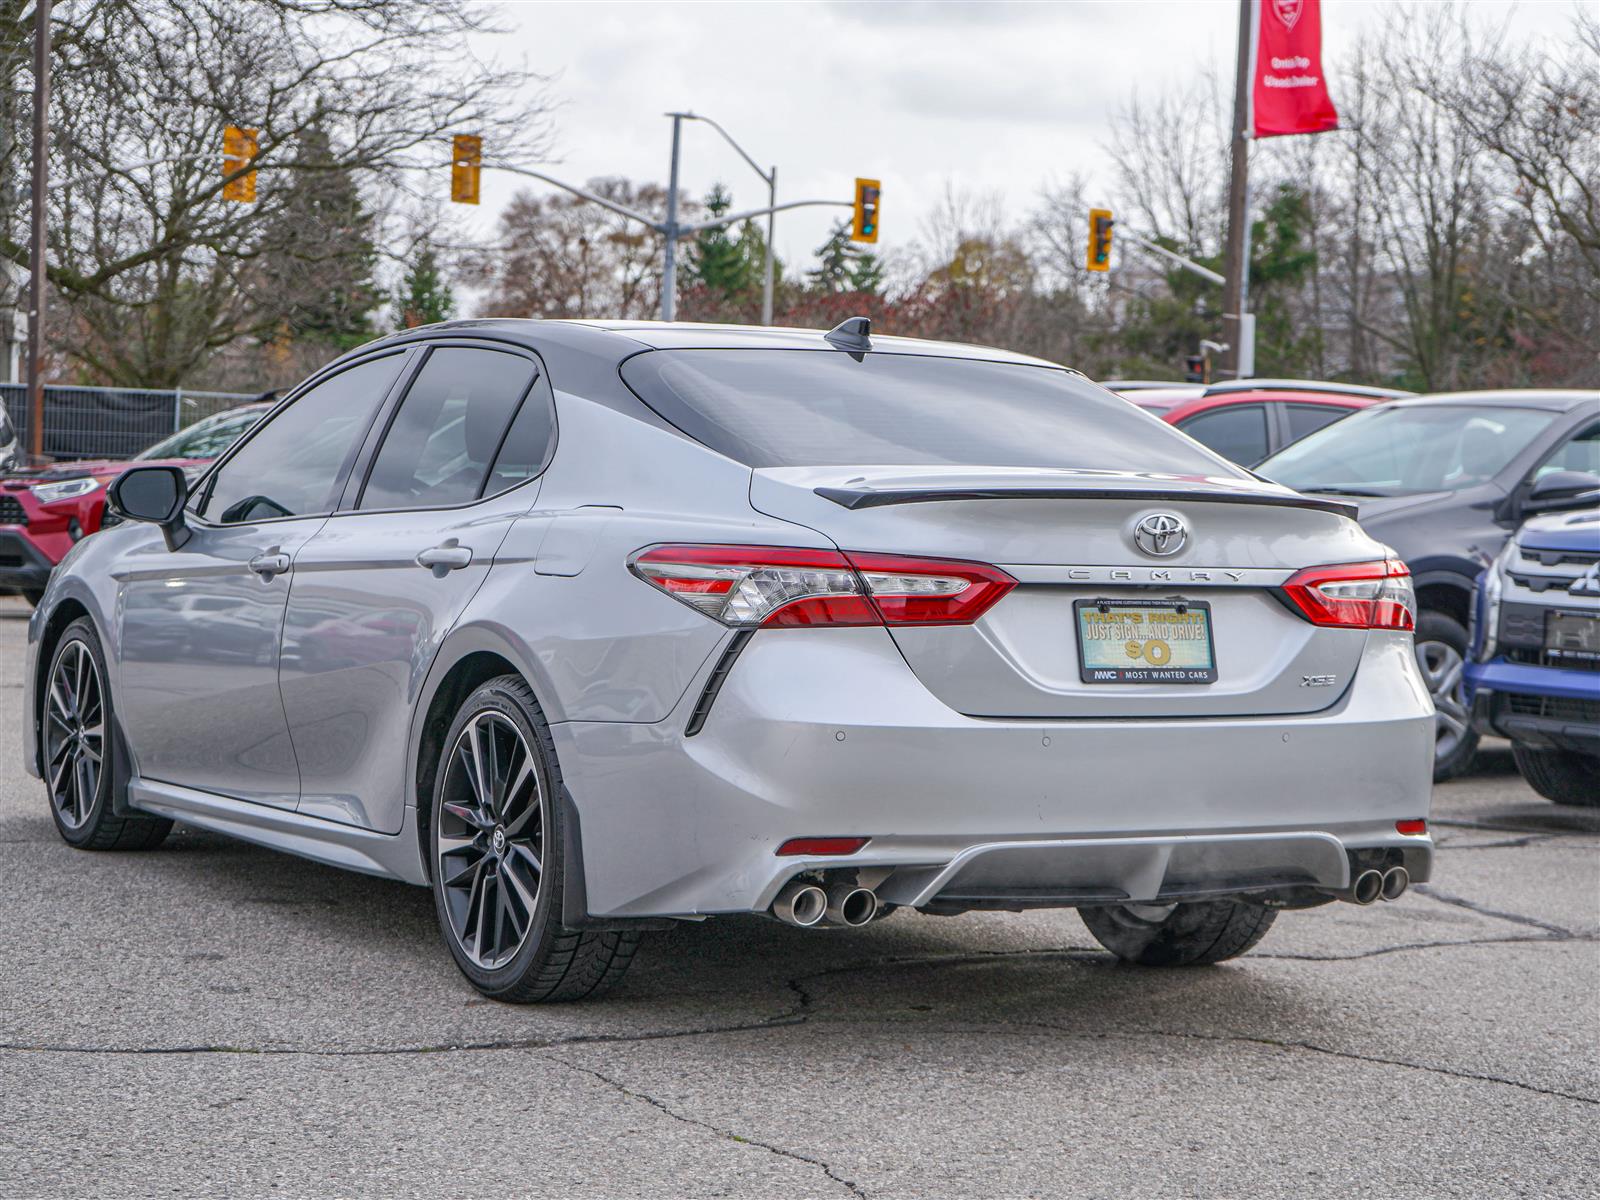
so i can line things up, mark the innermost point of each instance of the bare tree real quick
(560, 256)
(365, 90)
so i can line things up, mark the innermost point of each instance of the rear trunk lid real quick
(1067, 536)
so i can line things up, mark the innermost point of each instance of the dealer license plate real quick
(1572, 636)
(1144, 641)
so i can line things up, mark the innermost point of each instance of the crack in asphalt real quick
(740, 1139)
(800, 1013)
(1432, 893)
(1315, 1048)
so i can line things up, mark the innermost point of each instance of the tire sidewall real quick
(82, 631)
(1436, 626)
(506, 696)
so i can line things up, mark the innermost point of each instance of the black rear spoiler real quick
(878, 497)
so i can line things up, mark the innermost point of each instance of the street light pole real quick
(1237, 328)
(36, 258)
(766, 268)
(669, 271)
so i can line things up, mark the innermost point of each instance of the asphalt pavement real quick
(214, 1019)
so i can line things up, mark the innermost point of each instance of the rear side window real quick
(528, 442)
(1238, 432)
(1308, 418)
(439, 447)
(803, 408)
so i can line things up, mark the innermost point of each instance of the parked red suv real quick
(43, 512)
(1248, 419)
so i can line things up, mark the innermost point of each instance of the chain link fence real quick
(97, 422)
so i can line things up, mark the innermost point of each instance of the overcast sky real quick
(978, 95)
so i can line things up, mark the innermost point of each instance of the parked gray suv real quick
(595, 626)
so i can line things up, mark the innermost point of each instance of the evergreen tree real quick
(424, 297)
(326, 274)
(721, 262)
(866, 273)
(832, 272)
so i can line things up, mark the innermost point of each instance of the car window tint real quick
(817, 408)
(528, 441)
(293, 463)
(1578, 453)
(439, 446)
(1308, 418)
(1238, 431)
(1400, 448)
(205, 439)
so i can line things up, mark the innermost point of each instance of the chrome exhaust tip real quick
(1395, 882)
(800, 904)
(851, 905)
(1368, 886)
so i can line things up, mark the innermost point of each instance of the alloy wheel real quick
(491, 839)
(74, 735)
(1441, 665)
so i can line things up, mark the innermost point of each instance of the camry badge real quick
(1160, 534)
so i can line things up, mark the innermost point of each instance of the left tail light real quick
(782, 586)
(1366, 595)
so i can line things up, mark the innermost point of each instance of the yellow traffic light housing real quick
(1099, 239)
(466, 161)
(865, 226)
(239, 148)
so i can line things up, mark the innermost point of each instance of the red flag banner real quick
(1290, 92)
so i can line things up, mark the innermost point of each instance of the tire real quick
(79, 763)
(1441, 655)
(1564, 776)
(1182, 935)
(507, 850)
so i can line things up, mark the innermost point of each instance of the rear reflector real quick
(783, 586)
(809, 847)
(1365, 595)
(1411, 827)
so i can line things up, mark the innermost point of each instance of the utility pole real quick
(1238, 361)
(36, 259)
(669, 271)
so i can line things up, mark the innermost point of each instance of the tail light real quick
(779, 586)
(1368, 595)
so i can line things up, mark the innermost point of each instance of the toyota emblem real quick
(1160, 534)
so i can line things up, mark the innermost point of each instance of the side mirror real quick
(1563, 489)
(156, 495)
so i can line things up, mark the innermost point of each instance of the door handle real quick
(448, 556)
(268, 565)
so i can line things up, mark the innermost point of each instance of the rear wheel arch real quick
(1452, 599)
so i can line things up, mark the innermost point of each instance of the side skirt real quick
(390, 857)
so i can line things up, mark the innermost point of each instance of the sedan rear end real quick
(1029, 647)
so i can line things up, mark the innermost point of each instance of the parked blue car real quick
(1534, 673)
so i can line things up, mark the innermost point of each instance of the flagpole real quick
(1236, 258)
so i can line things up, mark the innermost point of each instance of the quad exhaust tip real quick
(851, 905)
(1368, 886)
(1395, 882)
(800, 904)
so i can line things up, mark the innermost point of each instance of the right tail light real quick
(1364, 595)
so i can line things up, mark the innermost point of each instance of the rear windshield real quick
(818, 408)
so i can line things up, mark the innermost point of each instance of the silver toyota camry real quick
(591, 627)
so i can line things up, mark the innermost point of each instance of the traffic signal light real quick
(1099, 239)
(865, 226)
(466, 160)
(238, 152)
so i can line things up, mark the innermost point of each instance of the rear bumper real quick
(828, 733)
(1537, 706)
(22, 563)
